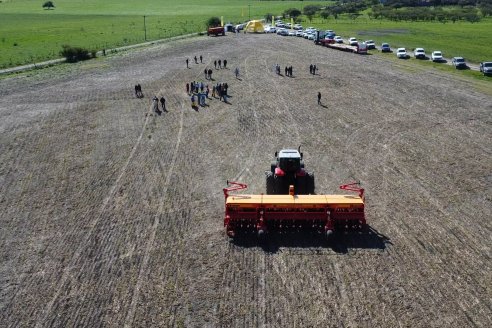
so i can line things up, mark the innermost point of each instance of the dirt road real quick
(112, 215)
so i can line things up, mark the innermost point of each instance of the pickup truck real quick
(216, 30)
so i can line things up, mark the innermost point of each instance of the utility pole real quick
(249, 10)
(145, 30)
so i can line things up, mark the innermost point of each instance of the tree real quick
(213, 22)
(268, 17)
(310, 16)
(48, 5)
(292, 12)
(325, 13)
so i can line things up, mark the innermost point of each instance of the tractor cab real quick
(289, 160)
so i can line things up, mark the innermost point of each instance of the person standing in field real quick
(319, 98)
(225, 63)
(215, 64)
(201, 59)
(187, 88)
(163, 104)
(187, 61)
(236, 71)
(210, 74)
(220, 63)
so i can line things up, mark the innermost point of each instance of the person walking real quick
(311, 69)
(213, 91)
(210, 74)
(187, 61)
(196, 60)
(206, 73)
(290, 71)
(286, 71)
(220, 63)
(187, 88)
(193, 101)
(319, 98)
(225, 63)
(163, 104)
(201, 59)
(236, 72)
(215, 64)
(314, 69)
(192, 86)
(155, 104)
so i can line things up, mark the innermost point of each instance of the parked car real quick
(436, 56)
(486, 68)
(283, 31)
(292, 33)
(385, 47)
(458, 62)
(353, 41)
(299, 33)
(419, 53)
(401, 53)
(338, 39)
(311, 36)
(370, 44)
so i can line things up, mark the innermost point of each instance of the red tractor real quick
(287, 170)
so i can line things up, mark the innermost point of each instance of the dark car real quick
(385, 47)
(486, 68)
(458, 62)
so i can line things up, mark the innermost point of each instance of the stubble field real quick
(112, 215)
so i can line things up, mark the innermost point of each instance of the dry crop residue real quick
(112, 215)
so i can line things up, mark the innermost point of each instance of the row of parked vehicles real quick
(311, 33)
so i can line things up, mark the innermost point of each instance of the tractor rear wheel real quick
(310, 186)
(301, 185)
(278, 185)
(270, 184)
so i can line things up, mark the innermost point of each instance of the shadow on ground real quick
(340, 242)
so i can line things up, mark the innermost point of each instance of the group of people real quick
(220, 90)
(312, 69)
(196, 61)
(155, 104)
(195, 87)
(287, 70)
(218, 63)
(208, 74)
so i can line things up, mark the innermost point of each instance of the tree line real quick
(398, 10)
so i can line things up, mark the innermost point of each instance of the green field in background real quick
(29, 33)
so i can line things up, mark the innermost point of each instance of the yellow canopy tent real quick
(254, 26)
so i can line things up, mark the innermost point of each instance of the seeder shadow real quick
(341, 242)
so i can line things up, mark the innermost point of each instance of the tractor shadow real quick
(341, 242)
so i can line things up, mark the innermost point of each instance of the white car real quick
(311, 36)
(437, 56)
(353, 41)
(292, 33)
(338, 39)
(299, 33)
(419, 53)
(401, 53)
